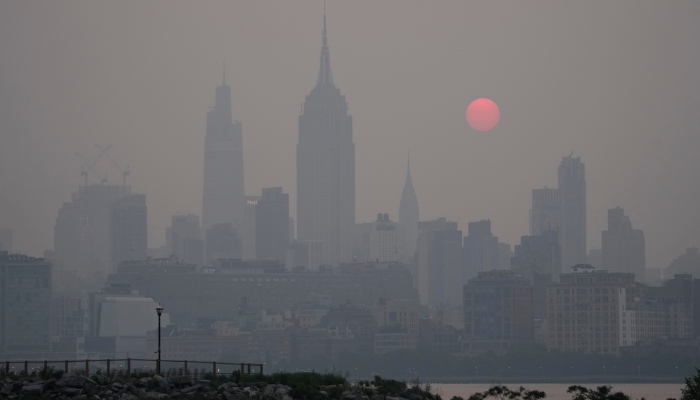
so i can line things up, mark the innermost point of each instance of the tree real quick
(600, 393)
(691, 391)
(502, 392)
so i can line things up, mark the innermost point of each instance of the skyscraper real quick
(128, 229)
(326, 167)
(25, 306)
(572, 211)
(223, 196)
(544, 215)
(408, 219)
(623, 247)
(272, 225)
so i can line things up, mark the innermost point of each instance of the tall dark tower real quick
(223, 196)
(408, 218)
(326, 167)
(572, 211)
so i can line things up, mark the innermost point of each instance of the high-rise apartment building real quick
(544, 215)
(408, 220)
(538, 254)
(25, 306)
(439, 257)
(623, 247)
(128, 229)
(498, 311)
(272, 225)
(572, 211)
(326, 167)
(86, 243)
(481, 251)
(223, 196)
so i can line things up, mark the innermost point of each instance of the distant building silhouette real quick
(623, 247)
(408, 219)
(497, 312)
(383, 240)
(223, 196)
(572, 211)
(538, 254)
(222, 242)
(128, 229)
(185, 239)
(481, 252)
(544, 215)
(25, 307)
(272, 225)
(326, 167)
(247, 231)
(94, 231)
(439, 258)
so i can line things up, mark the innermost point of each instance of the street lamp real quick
(159, 310)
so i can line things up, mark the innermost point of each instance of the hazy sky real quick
(615, 82)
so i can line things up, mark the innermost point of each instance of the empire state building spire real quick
(325, 78)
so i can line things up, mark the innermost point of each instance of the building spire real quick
(324, 73)
(224, 74)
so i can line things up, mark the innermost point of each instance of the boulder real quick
(155, 396)
(32, 390)
(72, 381)
(72, 392)
(192, 389)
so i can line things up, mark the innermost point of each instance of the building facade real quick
(544, 215)
(326, 167)
(272, 225)
(623, 247)
(128, 229)
(25, 306)
(572, 211)
(498, 311)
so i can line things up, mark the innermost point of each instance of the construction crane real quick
(88, 166)
(124, 171)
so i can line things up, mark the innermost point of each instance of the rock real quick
(72, 392)
(155, 396)
(117, 387)
(6, 389)
(72, 381)
(180, 381)
(81, 397)
(192, 389)
(159, 381)
(128, 396)
(268, 391)
(395, 398)
(32, 390)
(377, 397)
(95, 397)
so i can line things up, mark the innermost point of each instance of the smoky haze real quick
(614, 82)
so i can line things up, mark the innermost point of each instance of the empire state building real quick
(326, 167)
(223, 196)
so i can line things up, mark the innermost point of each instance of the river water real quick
(557, 391)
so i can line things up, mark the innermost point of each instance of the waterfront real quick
(557, 391)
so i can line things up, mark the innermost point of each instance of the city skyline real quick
(643, 113)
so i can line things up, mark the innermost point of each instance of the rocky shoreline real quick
(77, 387)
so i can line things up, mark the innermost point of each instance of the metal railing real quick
(125, 366)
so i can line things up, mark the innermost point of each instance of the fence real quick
(126, 366)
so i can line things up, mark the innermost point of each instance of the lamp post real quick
(159, 310)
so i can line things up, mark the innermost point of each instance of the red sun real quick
(483, 114)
